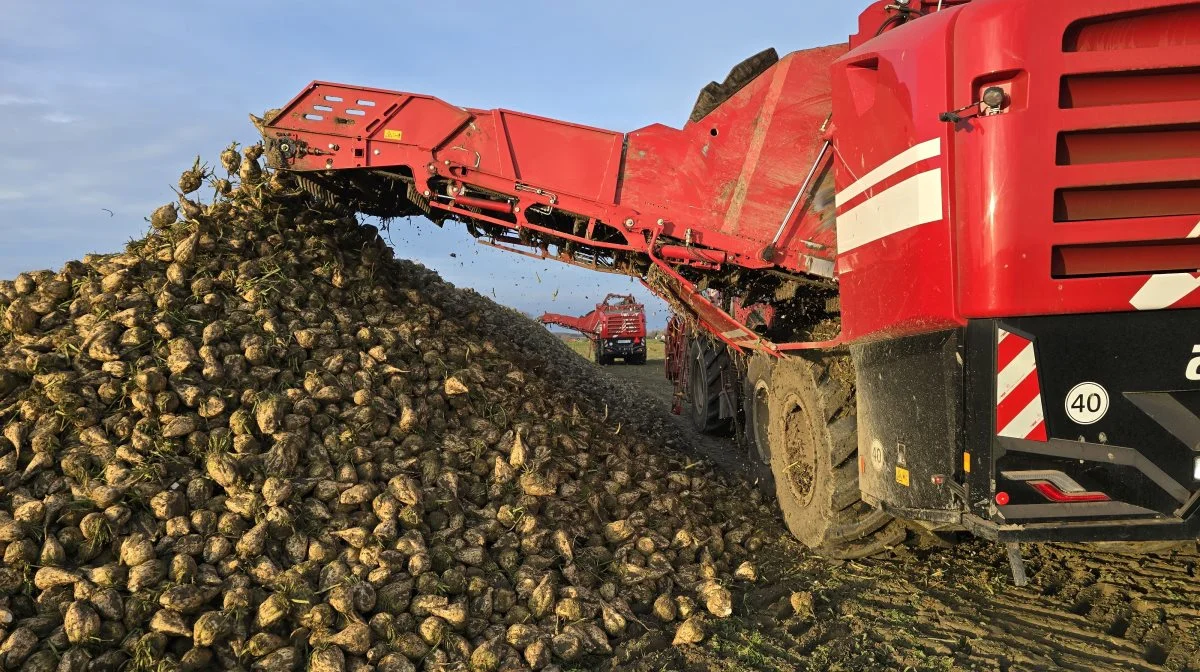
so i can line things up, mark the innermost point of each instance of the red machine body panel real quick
(737, 171)
(896, 252)
(373, 127)
(1083, 195)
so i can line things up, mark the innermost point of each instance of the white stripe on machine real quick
(909, 157)
(1164, 291)
(913, 202)
(1018, 417)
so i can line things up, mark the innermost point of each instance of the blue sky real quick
(103, 104)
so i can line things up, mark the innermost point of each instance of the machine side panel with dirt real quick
(616, 328)
(945, 272)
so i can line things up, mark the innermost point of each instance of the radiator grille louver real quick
(1131, 151)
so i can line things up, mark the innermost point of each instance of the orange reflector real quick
(967, 462)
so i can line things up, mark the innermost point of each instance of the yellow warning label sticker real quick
(392, 134)
(967, 462)
(902, 476)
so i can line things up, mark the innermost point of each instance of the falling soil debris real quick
(255, 441)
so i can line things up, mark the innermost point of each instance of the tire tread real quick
(848, 527)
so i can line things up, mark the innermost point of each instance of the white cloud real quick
(12, 195)
(59, 118)
(17, 99)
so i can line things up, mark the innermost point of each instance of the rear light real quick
(1051, 492)
(1002, 498)
(1056, 486)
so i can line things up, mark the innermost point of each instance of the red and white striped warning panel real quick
(1019, 413)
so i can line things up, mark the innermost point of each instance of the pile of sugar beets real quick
(256, 441)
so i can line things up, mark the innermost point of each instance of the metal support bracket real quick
(1020, 579)
(960, 491)
(768, 253)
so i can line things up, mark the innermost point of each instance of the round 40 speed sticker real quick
(877, 455)
(1087, 403)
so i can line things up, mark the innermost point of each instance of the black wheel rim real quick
(799, 449)
(760, 420)
(699, 384)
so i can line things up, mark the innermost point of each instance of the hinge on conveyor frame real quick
(536, 190)
(418, 200)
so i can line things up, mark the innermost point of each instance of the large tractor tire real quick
(705, 361)
(813, 447)
(600, 357)
(636, 359)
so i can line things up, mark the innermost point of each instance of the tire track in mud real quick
(1150, 599)
(981, 625)
(1083, 609)
(956, 609)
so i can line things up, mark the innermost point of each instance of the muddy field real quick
(943, 608)
(650, 377)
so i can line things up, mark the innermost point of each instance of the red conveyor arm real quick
(667, 206)
(586, 325)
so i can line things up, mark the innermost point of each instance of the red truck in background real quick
(616, 328)
(975, 222)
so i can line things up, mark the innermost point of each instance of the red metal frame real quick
(617, 316)
(1080, 193)
(675, 360)
(733, 205)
